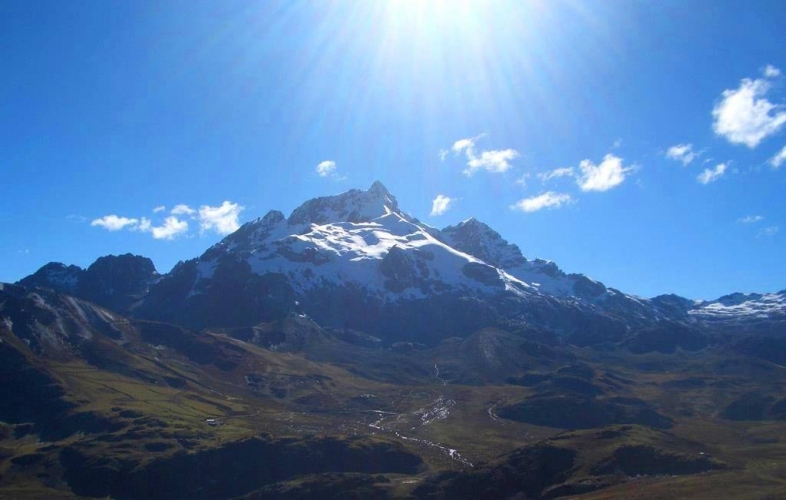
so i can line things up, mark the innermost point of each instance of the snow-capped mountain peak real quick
(355, 260)
(355, 247)
(353, 206)
(478, 239)
(740, 305)
(481, 241)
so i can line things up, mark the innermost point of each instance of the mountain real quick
(99, 405)
(350, 350)
(479, 240)
(353, 260)
(357, 261)
(113, 281)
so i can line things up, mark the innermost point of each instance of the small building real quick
(211, 421)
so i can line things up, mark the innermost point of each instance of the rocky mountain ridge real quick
(113, 281)
(349, 349)
(356, 260)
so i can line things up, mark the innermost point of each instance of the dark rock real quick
(54, 275)
(115, 282)
(483, 273)
(585, 287)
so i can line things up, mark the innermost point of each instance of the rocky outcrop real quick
(115, 282)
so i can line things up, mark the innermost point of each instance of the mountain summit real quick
(353, 206)
(353, 255)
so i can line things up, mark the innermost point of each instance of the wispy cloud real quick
(182, 209)
(114, 223)
(609, 174)
(326, 168)
(495, 161)
(768, 231)
(777, 160)
(549, 199)
(159, 209)
(750, 219)
(222, 219)
(712, 174)
(745, 116)
(556, 173)
(683, 153)
(466, 145)
(441, 204)
(76, 218)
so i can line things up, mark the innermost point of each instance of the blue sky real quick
(640, 143)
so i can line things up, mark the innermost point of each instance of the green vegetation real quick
(299, 413)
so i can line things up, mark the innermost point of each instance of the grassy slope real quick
(162, 396)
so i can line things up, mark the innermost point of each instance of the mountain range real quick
(352, 351)
(356, 260)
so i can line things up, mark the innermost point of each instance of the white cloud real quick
(777, 160)
(114, 223)
(441, 204)
(609, 174)
(222, 219)
(750, 219)
(443, 153)
(171, 228)
(556, 173)
(682, 152)
(768, 231)
(467, 145)
(712, 175)
(522, 181)
(326, 168)
(771, 71)
(744, 116)
(493, 161)
(618, 143)
(182, 209)
(496, 161)
(144, 225)
(548, 199)
(159, 209)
